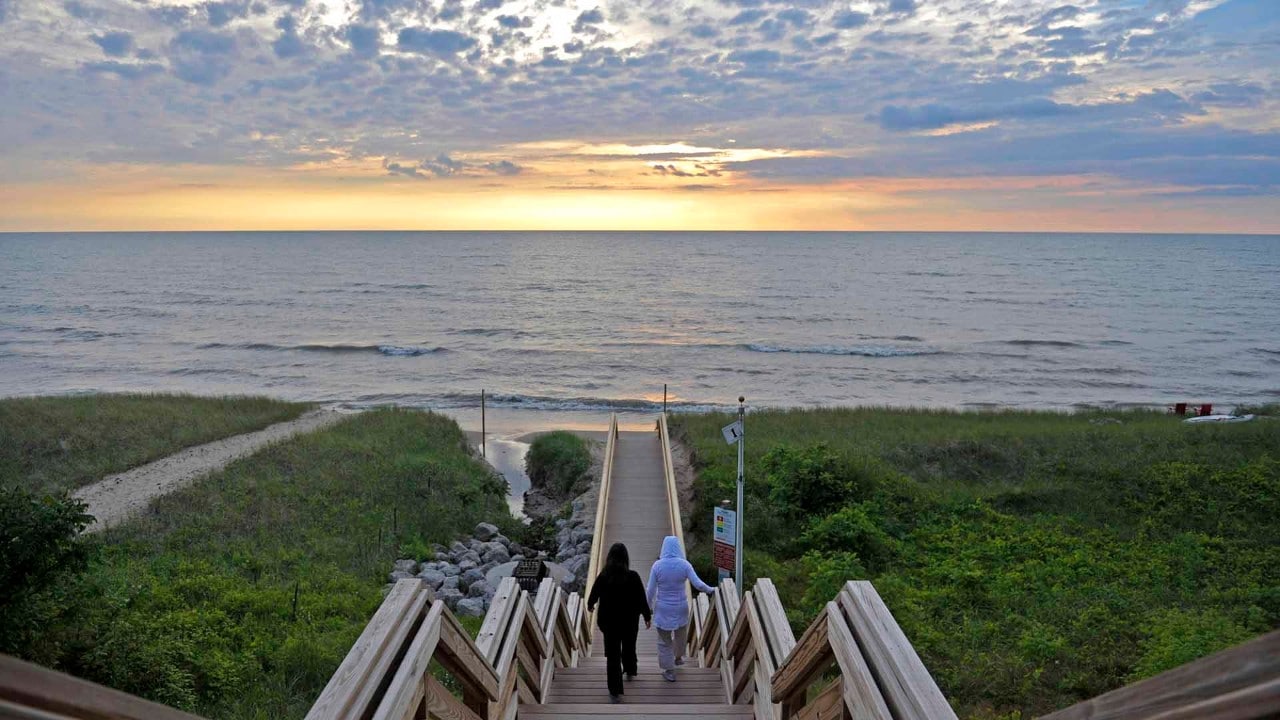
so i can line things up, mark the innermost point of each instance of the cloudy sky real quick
(1142, 115)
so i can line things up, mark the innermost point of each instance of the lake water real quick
(585, 323)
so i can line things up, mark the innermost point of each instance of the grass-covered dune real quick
(61, 443)
(238, 596)
(1033, 559)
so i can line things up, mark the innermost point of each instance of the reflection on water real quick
(506, 455)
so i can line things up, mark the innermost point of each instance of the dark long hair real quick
(618, 561)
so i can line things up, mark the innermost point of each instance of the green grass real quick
(193, 604)
(557, 462)
(49, 444)
(1033, 559)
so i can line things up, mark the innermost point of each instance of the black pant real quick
(620, 655)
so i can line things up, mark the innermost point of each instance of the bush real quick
(39, 546)
(852, 529)
(558, 463)
(1176, 637)
(807, 480)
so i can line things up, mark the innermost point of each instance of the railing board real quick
(907, 686)
(443, 705)
(858, 684)
(741, 674)
(462, 658)
(1240, 682)
(407, 683)
(602, 510)
(496, 620)
(741, 632)
(777, 629)
(43, 693)
(807, 660)
(828, 705)
(353, 685)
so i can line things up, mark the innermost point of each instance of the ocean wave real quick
(384, 349)
(490, 332)
(1043, 343)
(542, 402)
(860, 350)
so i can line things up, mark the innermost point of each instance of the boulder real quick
(468, 564)
(471, 555)
(517, 557)
(579, 536)
(584, 548)
(470, 577)
(450, 583)
(497, 555)
(397, 575)
(577, 565)
(470, 607)
(443, 556)
(473, 543)
(578, 505)
(479, 589)
(503, 540)
(451, 597)
(457, 548)
(433, 578)
(449, 569)
(486, 531)
(569, 583)
(406, 565)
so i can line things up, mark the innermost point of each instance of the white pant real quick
(671, 645)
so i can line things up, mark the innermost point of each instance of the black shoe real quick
(631, 676)
(615, 699)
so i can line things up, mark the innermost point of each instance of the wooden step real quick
(631, 711)
(646, 671)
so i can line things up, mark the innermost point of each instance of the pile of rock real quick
(573, 537)
(457, 574)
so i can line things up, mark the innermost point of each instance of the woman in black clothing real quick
(620, 593)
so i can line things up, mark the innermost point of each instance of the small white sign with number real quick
(733, 432)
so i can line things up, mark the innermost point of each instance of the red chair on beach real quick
(1206, 409)
(1179, 408)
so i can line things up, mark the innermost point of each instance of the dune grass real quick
(60, 443)
(1034, 559)
(238, 596)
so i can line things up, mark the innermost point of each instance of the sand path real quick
(116, 497)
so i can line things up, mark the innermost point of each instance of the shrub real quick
(807, 480)
(558, 462)
(1175, 637)
(39, 545)
(852, 529)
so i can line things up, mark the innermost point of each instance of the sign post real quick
(725, 537)
(733, 434)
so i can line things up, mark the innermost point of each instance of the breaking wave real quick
(391, 350)
(860, 350)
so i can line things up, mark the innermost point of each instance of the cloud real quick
(444, 165)
(746, 17)
(131, 71)
(433, 42)
(587, 19)
(222, 13)
(365, 40)
(762, 56)
(1236, 95)
(289, 44)
(114, 44)
(514, 21)
(503, 167)
(850, 19)
(201, 57)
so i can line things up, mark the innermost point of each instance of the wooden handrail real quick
(598, 549)
(30, 691)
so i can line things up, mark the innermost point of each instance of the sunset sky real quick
(1118, 115)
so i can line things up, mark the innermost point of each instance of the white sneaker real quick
(669, 675)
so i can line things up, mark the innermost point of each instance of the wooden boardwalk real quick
(637, 516)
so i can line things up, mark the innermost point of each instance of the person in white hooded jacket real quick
(666, 595)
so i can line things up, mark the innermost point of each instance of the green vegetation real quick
(238, 596)
(59, 443)
(1033, 559)
(558, 463)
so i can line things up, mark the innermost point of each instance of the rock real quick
(569, 582)
(471, 555)
(473, 543)
(433, 578)
(486, 531)
(517, 557)
(467, 565)
(497, 554)
(580, 536)
(503, 540)
(450, 583)
(450, 570)
(470, 607)
(451, 597)
(561, 523)
(565, 550)
(578, 565)
(584, 548)
(470, 577)
(398, 575)
(406, 565)
(479, 589)
(578, 506)
(457, 548)
(443, 556)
